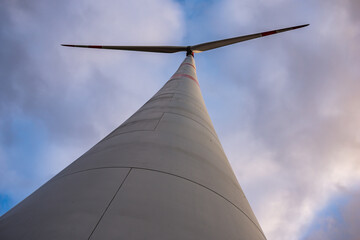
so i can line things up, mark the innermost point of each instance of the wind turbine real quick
(162, 174)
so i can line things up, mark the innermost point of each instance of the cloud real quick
(341, 219)
(56, 102)
(290, 125)
(285, 107)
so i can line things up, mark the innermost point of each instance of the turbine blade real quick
(159, 49)
(221, 43)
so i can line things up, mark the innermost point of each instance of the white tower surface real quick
(162, 174)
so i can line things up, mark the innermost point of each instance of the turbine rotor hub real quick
(189, 51)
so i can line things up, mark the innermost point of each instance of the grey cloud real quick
(286, 109)
(74, 96)
(343, 226)
(297, 113)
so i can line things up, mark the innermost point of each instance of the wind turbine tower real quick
(162, 174)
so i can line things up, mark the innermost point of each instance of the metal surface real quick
(161, 175)
(195, 48)
(225, 42)
(160, 49)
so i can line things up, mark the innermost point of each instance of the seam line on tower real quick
(109, 204)
(131, 131)
(172, 174)
(159, 121)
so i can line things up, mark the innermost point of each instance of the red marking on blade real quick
(184, 75)
(189, 65)
(95, 46)
(267, 33)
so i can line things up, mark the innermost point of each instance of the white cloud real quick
(289, 115)
(77, 95)
(291, 131)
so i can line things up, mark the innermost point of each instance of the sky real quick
(285, 107)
